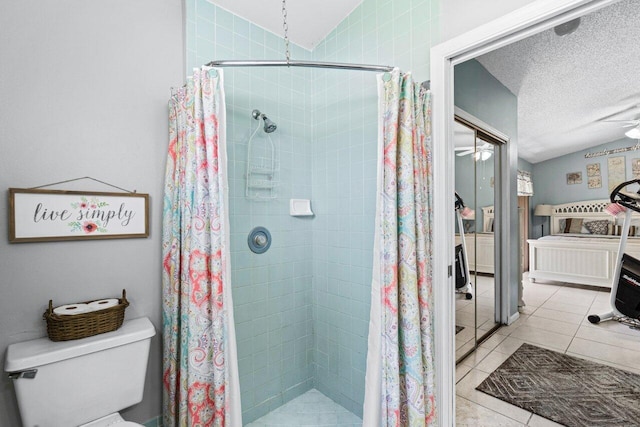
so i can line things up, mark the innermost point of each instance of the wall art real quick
(617, 171)
(635, 168)
(574, 178)
(50, 215)
(593, 169)
(594, 182)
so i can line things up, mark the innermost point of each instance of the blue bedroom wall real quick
(550, 177)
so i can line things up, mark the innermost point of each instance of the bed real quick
(575, 254)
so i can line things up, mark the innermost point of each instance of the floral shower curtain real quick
(200, 374)
(400, 383)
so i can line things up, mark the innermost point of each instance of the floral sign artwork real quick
(47, 215)
(86, 221)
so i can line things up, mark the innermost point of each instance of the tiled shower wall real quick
(345, 121)
(302, 309)
(271, 292)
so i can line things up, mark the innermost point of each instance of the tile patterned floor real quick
(555, 317)
(466, 309)
(310, 409)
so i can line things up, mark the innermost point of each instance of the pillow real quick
(573, 225)
(597, 227)
(617, 230)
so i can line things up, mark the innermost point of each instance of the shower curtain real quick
(200, 374)
(400, 379)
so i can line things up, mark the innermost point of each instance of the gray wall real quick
(84, 86)
(479, 93)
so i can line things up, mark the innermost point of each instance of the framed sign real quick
(50, 215)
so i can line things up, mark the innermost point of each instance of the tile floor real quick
(310, 409)
(484, 293)
(555, 317)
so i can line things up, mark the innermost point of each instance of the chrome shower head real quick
(269, 126)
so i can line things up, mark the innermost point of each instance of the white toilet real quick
(82, 382)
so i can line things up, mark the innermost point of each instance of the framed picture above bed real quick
(574, 178)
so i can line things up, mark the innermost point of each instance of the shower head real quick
(269, 126)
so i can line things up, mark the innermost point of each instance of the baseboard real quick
(515, 316)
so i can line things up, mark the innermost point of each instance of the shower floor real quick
(309, 409)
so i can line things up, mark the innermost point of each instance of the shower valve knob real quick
(260, 240)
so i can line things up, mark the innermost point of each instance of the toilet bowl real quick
(83, 382)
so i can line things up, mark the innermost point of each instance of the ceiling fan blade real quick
(622, 121)
(463, 148)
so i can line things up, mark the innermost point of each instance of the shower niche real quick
(262, 162)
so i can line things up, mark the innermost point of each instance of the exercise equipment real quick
(463, 278)
(625, 289)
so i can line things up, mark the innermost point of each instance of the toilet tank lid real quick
(43, 351)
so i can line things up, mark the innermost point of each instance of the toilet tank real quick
(63, 384)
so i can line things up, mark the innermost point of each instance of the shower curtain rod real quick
(308, 64)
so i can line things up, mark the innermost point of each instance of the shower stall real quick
(302, 306)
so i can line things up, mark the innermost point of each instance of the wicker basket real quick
(73, 327)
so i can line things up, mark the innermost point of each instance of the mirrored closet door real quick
(476, 295)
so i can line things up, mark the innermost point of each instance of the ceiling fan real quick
(634, 132)
(482, 152)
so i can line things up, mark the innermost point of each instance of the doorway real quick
(529, 20)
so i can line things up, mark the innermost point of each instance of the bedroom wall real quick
(85, 85)
(478, 93)
(550, 177)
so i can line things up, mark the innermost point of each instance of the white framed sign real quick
(50, 215)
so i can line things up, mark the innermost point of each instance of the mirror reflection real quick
(476, 168)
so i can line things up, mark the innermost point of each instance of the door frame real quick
(517, 25)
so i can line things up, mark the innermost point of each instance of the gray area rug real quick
(565, 389)
(459, 328)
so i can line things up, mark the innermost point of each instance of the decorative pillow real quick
(617, 230)
(573, 225)
(597, 227)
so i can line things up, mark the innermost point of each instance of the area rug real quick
(566, 389)
(459, 328)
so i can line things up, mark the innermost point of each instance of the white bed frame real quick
(587, 261)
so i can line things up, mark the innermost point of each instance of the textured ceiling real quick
(309, 21)
(566, 86)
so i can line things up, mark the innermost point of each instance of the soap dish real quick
(300, 207)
